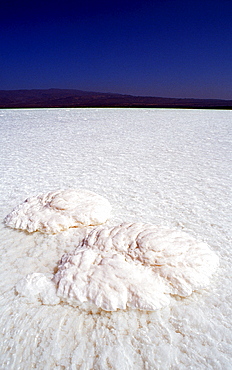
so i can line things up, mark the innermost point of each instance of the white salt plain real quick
(165, 167)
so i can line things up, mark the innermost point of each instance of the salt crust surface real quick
(59, 210)
(160, 166)
(132, 265)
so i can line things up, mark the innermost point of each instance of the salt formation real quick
(37, 286)
(131, 265)
(59, 210)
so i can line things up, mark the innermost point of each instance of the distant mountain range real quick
(62, 98)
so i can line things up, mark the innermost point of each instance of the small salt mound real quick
(134, 265)
(59, 210)
(37, 286)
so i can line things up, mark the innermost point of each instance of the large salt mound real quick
(59, 210)
(134, 265)
(130, 265)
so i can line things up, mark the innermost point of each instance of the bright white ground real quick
(166, 167)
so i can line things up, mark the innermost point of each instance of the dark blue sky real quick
(168, 48)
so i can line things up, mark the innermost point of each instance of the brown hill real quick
(62, 98)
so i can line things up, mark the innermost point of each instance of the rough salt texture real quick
(59, 210)
(131, 265)
(170, 167)
(37, 286)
